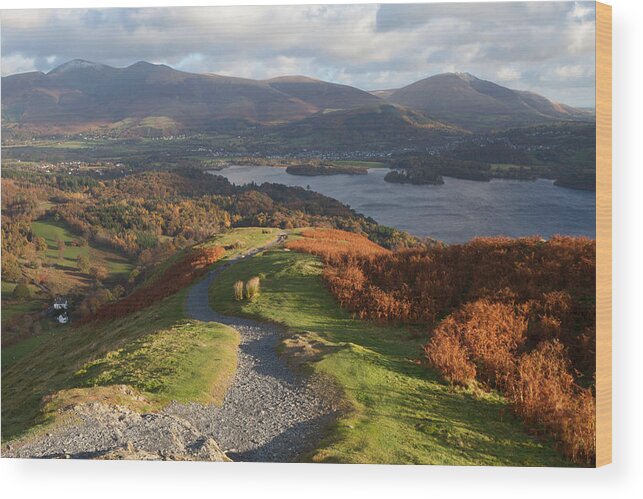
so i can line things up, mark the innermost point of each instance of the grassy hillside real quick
(155, 351)
(53, 231)
(400, 411)
(381, 127)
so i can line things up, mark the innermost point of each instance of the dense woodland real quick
(311, 170)
(517, 315)
(414, 169)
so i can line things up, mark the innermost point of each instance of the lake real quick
(453, 212)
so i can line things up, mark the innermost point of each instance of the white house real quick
(60, 304)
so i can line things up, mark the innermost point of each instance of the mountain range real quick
(81, 95)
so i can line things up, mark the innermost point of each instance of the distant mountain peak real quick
(293, 79)
(466, 76)
(473, 103)
(144, 64)
(75, 64)
(148, 66)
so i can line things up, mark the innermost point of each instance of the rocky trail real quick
(270, 412)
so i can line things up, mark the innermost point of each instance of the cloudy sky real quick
(546, 47)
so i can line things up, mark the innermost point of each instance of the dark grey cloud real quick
(546, 47)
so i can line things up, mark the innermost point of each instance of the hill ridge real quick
(82, 95)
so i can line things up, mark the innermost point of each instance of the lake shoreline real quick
(453, 212)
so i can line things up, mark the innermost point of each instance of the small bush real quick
(83, 264)
(479, 339)
(447, 354)
(252, 288)
(21, 292)
(238, 290)
(10, 267)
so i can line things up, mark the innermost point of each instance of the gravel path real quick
(100, 431)
(270, 412)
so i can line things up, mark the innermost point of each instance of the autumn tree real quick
(40, 244)
(10, 267)
(83, 263)
(60, 244)
(99, 272)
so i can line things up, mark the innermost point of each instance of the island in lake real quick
(417, 176)
(315, 170)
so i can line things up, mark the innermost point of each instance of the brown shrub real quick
(252, 288)
(487, 335)
(447, 354)
(238, 290)
(481, 341)
(492, 332)
(333, 244)
(544, 394)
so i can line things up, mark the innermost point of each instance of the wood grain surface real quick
(603, 234)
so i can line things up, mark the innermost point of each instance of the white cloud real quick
(575, 71)
(508, 74)
(16, 63)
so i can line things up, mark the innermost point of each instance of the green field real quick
(401, 412)
(155, 351)
(53, 231)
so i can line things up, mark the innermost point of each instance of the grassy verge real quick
(401, 411)
(155, 351)
(188, 361)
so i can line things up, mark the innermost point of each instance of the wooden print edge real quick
(603, 234)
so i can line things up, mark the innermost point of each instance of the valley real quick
(282, 269)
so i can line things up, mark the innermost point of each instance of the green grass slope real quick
(53, 231)
(157, 352)
(401, 411)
